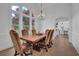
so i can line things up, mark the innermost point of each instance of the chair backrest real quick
(25, 32)
(33, 32)
(15, 40)
(51, 34)
(47, 32)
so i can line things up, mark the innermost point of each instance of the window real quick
(15, 8)
(15, 17)
(25, 10)
(22, 11)
(26, 22)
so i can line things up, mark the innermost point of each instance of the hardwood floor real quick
(60, 47)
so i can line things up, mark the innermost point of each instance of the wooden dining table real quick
(33, 39)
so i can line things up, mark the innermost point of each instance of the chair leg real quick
(51, 43)
(31, 52)
(15, 53)
(21, 54)
(25, 54)
(46, 48)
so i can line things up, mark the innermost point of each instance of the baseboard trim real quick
(6, 49)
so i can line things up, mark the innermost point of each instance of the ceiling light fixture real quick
(41, 16)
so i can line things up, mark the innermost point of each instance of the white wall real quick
(75, 26)
(42, 25)
(47, 24)
(5, 41)
(52, 12)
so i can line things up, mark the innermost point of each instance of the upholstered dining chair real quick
(50, 43)
(47, 32)
(43, 44)
(25, 32)
(33, 31)
(19, 48)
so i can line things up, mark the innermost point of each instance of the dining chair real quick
(43, 44)
(19, 48)
(33, 31)
(50, 43)
(25, 32)
(35, 46)
(47, 39)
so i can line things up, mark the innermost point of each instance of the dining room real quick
(36, 29)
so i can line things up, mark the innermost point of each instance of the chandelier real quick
(41, 16)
